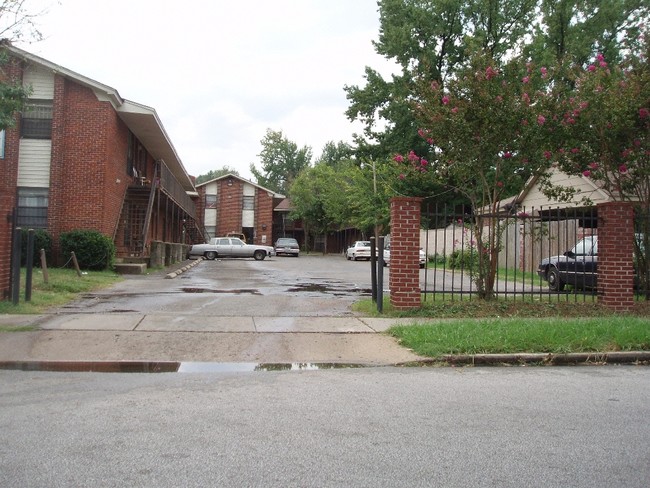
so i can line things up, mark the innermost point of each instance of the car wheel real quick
(259, 255)
(211, 255)
(347, 256)
(555, 283)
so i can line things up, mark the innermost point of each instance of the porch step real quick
(131, 268)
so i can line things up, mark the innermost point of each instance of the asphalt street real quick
(367, 427)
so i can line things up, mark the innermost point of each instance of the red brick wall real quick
(615, 255)
(229, 210)
(9, 172)
(404, 277)
(263, 217)
(88, 177)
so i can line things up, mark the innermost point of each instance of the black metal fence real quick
(540, 253)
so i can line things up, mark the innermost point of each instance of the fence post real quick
(404, 277)
(15, 266)
(75, 263)
(616, 255)
(29, 265)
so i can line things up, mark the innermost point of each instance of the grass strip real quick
(63, 286)
(530, 335)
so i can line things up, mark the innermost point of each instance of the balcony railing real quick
(173, 189)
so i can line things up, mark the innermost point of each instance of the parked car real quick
(577, 267)
(423, 257)
(230, 247)
(288, 246)
(358, 250)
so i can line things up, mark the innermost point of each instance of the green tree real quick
(484, 130)
(318, 197)
(216, 173)
(334, 154)
(281, 162)
(433, 39)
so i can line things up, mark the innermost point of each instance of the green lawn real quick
(557, 335)
(63, 285)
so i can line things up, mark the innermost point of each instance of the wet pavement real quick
(276, 311)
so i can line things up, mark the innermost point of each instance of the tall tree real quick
(18, 21)
(216, 173)
(432, 39)
(334, 154)
(281, 162)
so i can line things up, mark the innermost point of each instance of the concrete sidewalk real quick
(169, 337)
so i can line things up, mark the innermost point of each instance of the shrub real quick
(464, 259)
(94, 250)
(438, 259)
(42, 240)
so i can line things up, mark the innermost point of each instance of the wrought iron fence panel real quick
(456, 246)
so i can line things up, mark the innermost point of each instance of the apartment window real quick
(248, 203)
(36, 122)
(210, 201)
(2, 144)
(32, 208)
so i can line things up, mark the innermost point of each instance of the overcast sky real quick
(219, 73)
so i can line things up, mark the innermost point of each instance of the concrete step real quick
(131, 268)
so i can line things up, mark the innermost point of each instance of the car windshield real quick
(286, 242)
(363, 244)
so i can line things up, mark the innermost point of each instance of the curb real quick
(541, 359)
(180, 271)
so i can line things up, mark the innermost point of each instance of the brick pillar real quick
(615, 255)
(404, 277)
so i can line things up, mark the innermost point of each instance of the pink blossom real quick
(490, 72)
(526, 98)
(600, 57)
(548, 154)
(637, 143)
(622, 169)
(507, 155)
(570, 121)
(398, 158)
(423, 162)
(575, 150)
(541, 119)
(603, 64)
(591, 68)
(429, 140)
(544, 71)
(500, 184)
(644, 113)
(454, 110)
(586, 173)
(412, 156)
(593, 165)
(402, 176)
(525, 79)
(626, 153)
(499, 98)
(445, 100)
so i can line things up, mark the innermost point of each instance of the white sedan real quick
(423, 257)
(230, 247)
(358, 250)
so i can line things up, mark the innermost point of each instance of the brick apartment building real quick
(82, 157)
(231, 204)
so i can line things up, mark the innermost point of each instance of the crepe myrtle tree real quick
(483, 129)
(601, 131)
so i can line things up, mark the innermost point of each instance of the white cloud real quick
(220, 73)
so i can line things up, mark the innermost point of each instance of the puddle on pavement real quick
(165, 366)
(325, 288)
(236, 292)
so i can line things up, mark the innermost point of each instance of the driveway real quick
(280, 310)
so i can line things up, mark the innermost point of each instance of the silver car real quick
(230, 247)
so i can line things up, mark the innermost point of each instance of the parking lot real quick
(311, 285)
